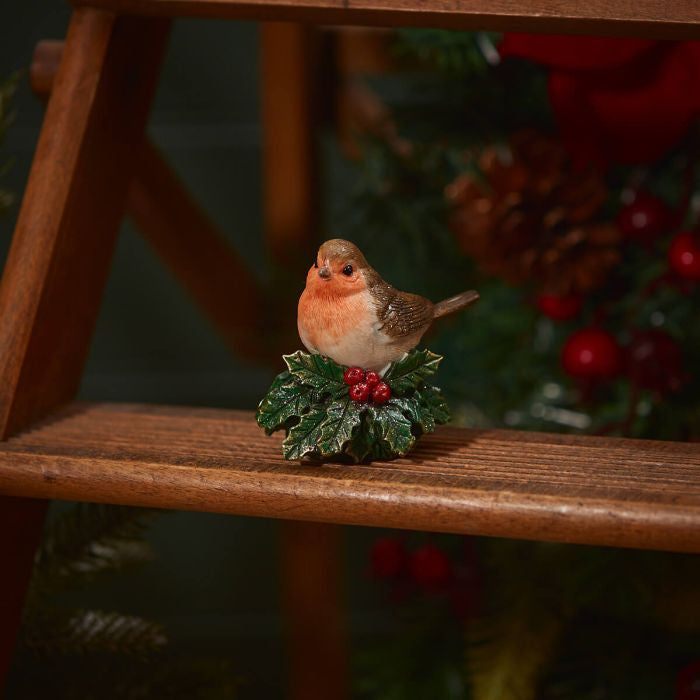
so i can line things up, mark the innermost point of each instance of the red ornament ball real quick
(354, 375)
(559, 308)
(655, 361)
(430, 567)
(644, 218)
(387, 557)
(684, 255)
(381, 393)
(359, 392)
(591, 353)
(372, 378)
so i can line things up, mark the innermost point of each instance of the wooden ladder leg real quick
(311, 579)
(62, 246)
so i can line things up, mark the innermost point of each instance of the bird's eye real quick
(347, 270)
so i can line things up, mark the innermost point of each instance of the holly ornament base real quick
(312, 404)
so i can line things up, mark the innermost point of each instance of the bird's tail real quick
(449, 306)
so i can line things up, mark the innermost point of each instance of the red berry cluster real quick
(366, 386)
(430, 569)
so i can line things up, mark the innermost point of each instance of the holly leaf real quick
(431, 397)
(411, 371)
(317, 371)
(368, 441)
(303, 438)
(418, 414)
(392, 426)
(342, 419)
(361, 444)
(285, 399)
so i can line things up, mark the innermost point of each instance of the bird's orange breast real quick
(325, 318)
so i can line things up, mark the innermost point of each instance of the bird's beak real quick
(324, 272)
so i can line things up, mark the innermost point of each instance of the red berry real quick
(430, 567)
(591, 353)
(387, 557)
(381, 393)
(354, 375)
(644, 218)
(372, 378)
(655, 361)
(359, 392)
(684, 255)
(559, 308)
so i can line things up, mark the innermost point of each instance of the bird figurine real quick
(349, 313)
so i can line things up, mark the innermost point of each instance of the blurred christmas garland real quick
(559, 176)
(587, 252)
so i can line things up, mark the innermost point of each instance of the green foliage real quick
(411, 372)
(459, 53)
(312, 404)
(94, 654)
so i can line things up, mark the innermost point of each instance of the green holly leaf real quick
(361, 444)
(432, 398)
(343, 417)
(411, 371)
(368, 441)
(418, 414)
(285, 399)
(393, 427)
(303, 438)
(317, 371)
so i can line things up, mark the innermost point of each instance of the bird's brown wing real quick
(403, 314)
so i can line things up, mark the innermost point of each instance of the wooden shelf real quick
(655, 18)
(606, 491)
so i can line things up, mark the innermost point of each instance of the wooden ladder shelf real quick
(609, 491)
(569, 489)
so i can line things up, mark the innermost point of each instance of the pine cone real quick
(527, 217)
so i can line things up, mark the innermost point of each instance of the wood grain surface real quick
(607, 491)
(654, 18)
(71, 210)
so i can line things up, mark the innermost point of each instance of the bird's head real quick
(339, 268)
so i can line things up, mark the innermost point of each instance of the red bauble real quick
(381, 393)
(591, 353)
(387, 557)
(372, 378)
(688, 682)
(359, 392)
(655, 361)
(684, 255)
(644, 218)
(353, 375)
(559, 308)
(430, 567)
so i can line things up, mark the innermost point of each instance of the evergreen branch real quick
(94, 632)
(86, 541)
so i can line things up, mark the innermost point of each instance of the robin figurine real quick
(349, 313)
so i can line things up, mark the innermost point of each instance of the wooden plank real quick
(313, 611)
(184, 237)
(62, 245)
(609, 491)
(199, 257)
(670, 19)
(59, 258)
(290, 193)
(310, 563)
